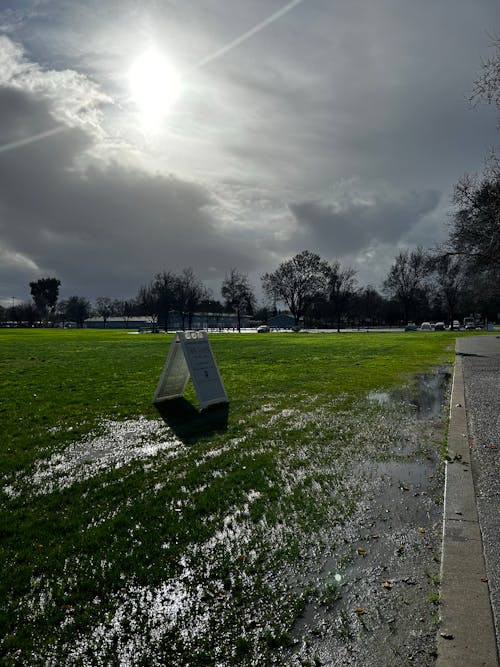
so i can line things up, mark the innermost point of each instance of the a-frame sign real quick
(190, 354)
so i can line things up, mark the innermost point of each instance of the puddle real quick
(425, 396)
(372, 595)
(118, 444)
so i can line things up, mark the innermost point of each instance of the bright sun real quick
(154, 85)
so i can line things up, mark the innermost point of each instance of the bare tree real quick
(189, 294)
(341, 288)
(487, 85)
(104, 308)
(297, 282)
(124, 308)
(405, 280)
(159, 298)
(238, 294)
(449, 277)
(475, 223)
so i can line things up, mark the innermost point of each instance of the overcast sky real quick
(337, 126)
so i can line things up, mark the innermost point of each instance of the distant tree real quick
(370, 306)
(405, 280)
(3, 313)
(104, 308)
(125, 308)
(45, 292)
(263, 313)
(23, 314)
(210, 307)
(238, 294)
(159, 298)
(297, 282)
(75, 309)
(341, 288)
(448, 280)
(189, 294)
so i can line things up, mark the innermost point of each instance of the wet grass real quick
(196, 553)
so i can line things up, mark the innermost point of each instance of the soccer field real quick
(129, 538)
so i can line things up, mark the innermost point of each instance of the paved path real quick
(469, 634)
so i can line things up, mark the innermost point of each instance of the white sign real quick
(191, 355)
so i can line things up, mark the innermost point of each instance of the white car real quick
(263, 329)
(426, 326)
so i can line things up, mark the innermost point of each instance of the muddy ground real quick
(382, 606)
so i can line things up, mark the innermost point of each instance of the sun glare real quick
(154, 85)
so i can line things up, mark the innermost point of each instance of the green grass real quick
(104, 548)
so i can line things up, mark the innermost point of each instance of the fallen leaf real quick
(447, 635)
(387, 584)
(360, 611)
(405, 488)
(361, 551)
(375, 536)
(421, 530)
(484, 579)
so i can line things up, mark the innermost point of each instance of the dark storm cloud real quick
(108, 229)
(373, 93)
(351, 226)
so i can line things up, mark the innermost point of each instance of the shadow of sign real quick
(190, 424)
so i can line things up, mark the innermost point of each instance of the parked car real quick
(426, 326)
(439, 326)
(263, 329)
(455, 325)
(411, 326)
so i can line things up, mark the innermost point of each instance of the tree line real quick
(434, 285)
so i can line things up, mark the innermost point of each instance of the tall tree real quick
(405, 280)
(45, 292)
(475, 224)
(475, 221)
(341, 288)
(238, 294)
(297, 282)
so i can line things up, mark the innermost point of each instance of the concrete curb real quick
(466, 636)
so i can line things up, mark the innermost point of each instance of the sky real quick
(138, 136)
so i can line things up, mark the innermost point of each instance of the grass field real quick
(187, 540)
